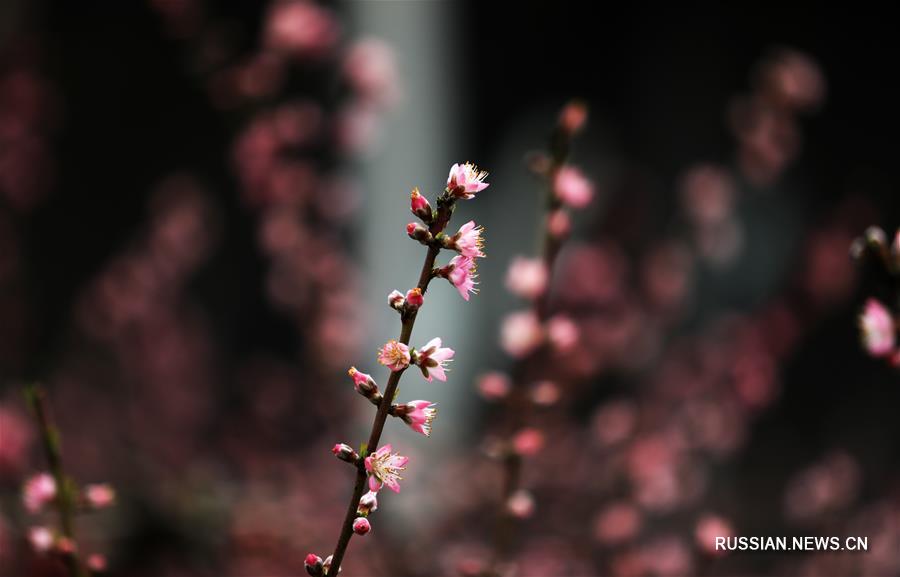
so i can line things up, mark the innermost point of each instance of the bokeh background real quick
(202, 208)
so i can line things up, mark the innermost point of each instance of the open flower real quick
(877, 327)
(465, 180)
(384, 469)
(394, 355)
(418, 415)
(527, 277)
(461, 274)
(468, 240)
(432, 359)
(39, 490)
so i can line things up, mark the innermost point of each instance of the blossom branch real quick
(381, 467)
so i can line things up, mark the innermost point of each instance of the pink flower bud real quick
(527, 277)
(361, 526)
(364, 384)
(877, 329)
(39, 490)
(562, 333)
(572, 187)
(528, 442)
(345, 453)
(96, 563)
(573, 117)
(326, 566)
(493, 385)
(367, 503)
(314, 565)
(99, 496)
(418, 231)
(520, 504)
(396, 300)
(41, 538)
(420, 207)
(559, 224)
(414, 298)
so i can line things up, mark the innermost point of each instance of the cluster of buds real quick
(383, 467)
(877, 323)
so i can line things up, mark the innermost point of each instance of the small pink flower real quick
(528, 442)
(572, 187)
(41, 538)
(527, 277)
(465, 180)
(384, 469)
(100, 495)
(367, 503)
(414, 298)
(562, 332)
(559, 225)
(494, 385)
(364, 384)
(418, 415)
(468, 240)
(361, 526)
(394, 355)
(520, 334)
(877, 327)
(39, 490)
(432, 359)
(461, 274)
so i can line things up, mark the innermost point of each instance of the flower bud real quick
(414, 299)
(96, 563)
(364, 384)
(395, 300)
(573, 117)
(367, 503)
(345, 453)
(314, 565)
(559, 224)
(419, 206)
(326, 566)
(520, 504)
(361, 526)
(528, 442)
(418, 231)
(99, 496)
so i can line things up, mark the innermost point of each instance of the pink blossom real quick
(384, 468)
(468, 240)
(301, 28)
(313, 564)
(99, 495)
(39, 490)
(493, 385)
(545, 393)
(17, 436)
(96, 563)
(367, 503)
(562, 332)
(363, 383)
(559, 224)
(432, 359)
(877, 327)
(520, 334)
(528, 441)
(396, 300)
(572, 187)
(344, 452)
(420, 206)
(461, 274)
(394, 355)
(527, 277)
(573, 117)
(371, 68)
(41, 538)
(465, 180)
(361, 526)
(418, 415)
(617, 523)
(708, 529)
(520, 504)
(414, 298)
